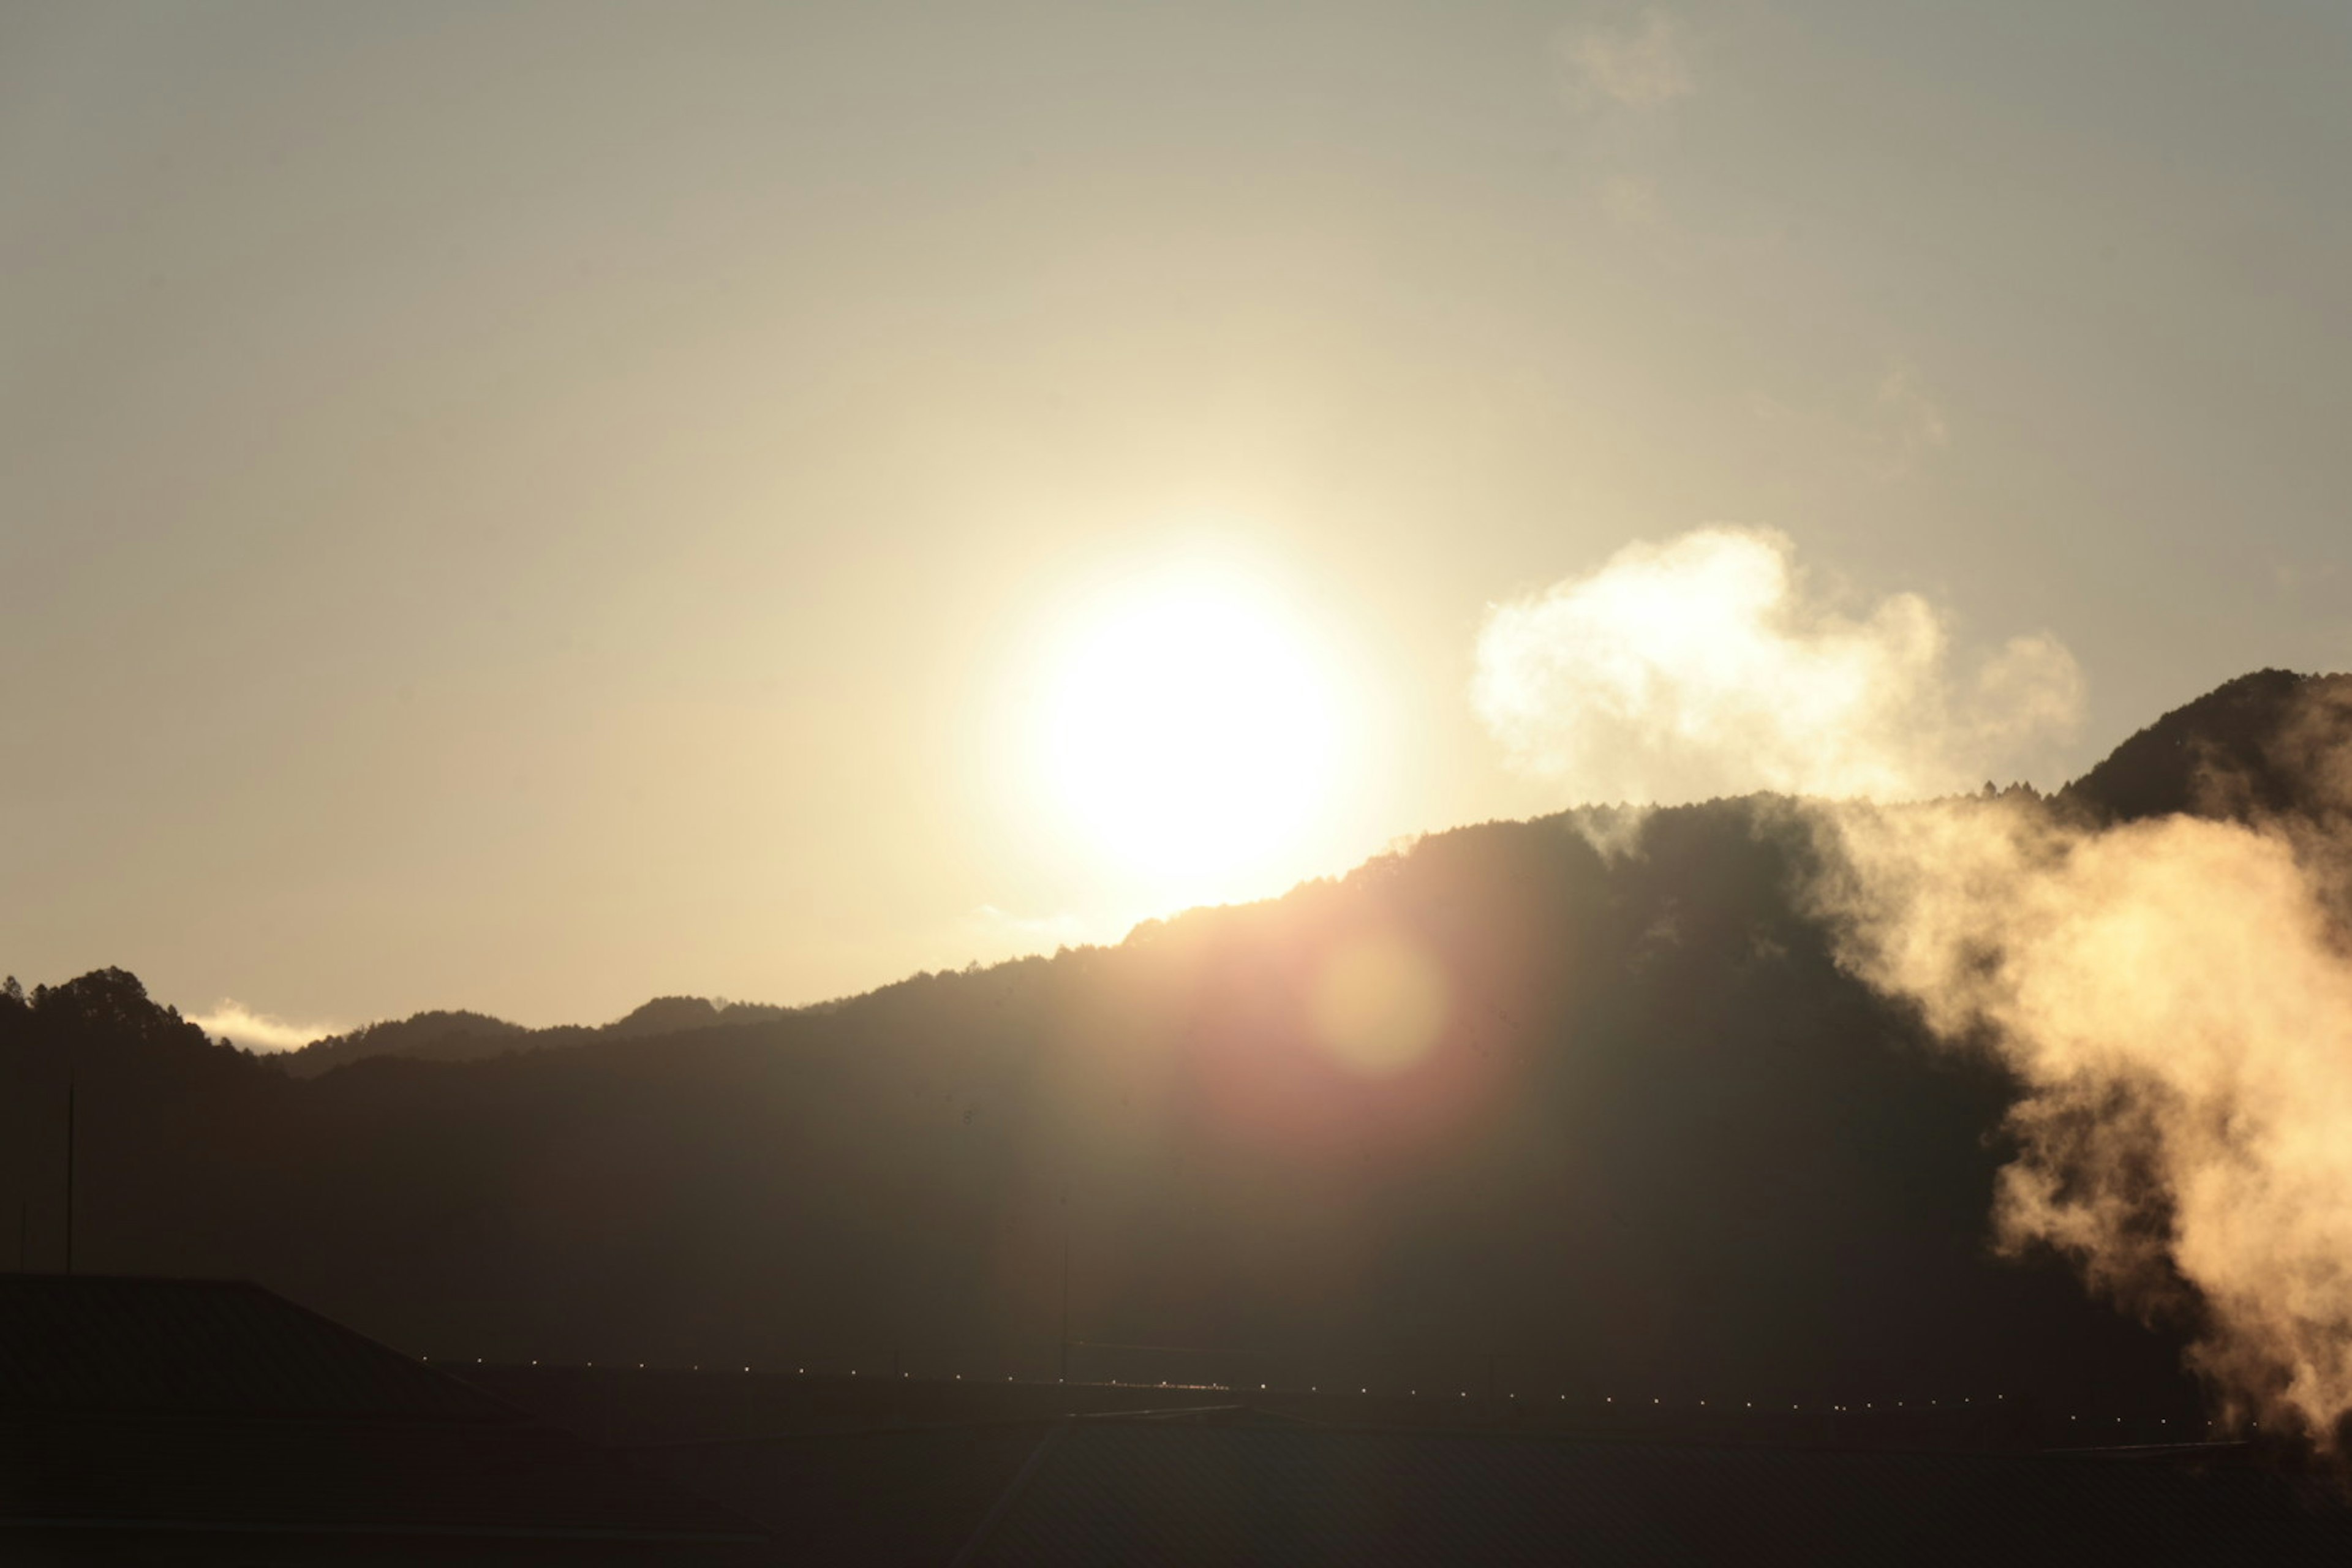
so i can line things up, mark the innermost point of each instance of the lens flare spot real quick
(1380, 1004)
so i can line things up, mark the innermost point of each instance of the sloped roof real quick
(1140, 1494)
(191, 1347)
(183, 1419)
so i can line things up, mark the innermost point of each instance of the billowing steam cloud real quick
(2176, 999)
(2174, 995)
(1701, 666)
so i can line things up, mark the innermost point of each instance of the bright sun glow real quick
(1189, 731)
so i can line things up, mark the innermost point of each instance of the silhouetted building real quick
(195, 1421)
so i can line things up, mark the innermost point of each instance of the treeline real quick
(461, 1037)
(1657, 1143)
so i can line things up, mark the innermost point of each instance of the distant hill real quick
(458, 1036)
(453, 1036)
(2241, 751)
(1661, 1146)
(674, 1015)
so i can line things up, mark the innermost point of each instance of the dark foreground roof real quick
(191, 1421)
(1233, 1490)
(190, 1347)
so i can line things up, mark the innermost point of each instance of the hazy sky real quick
(528, 507)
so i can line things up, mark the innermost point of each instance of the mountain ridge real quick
(2213, 755)
(2241, 751)
(463, 1037)
(1661, 1140)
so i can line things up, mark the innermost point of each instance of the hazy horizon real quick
(530, 510)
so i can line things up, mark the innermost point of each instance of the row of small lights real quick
(1416, 1394)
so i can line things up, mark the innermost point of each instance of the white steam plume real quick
(1703, 667)
(2173, 995)
(2176, 1000)
(234, 1021)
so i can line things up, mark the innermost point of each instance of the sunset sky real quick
(532, 507)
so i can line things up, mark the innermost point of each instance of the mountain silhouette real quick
(2244, 751)
(1661, 1145)
(460, 1036)
(441, 1037)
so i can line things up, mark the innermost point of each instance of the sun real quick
(1190, 731)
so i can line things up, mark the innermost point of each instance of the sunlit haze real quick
(1187, 731)
(528, 508)
(914, 782)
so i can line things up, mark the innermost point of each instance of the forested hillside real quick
(1656, 1142)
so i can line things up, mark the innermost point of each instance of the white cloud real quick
(1703, 667)
(1880, 436)
(1916, 424)
(234, 1021)
(1643, 66)
(1632, 202)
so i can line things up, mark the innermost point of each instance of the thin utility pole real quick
(1066, 1280)
(70, 1171)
